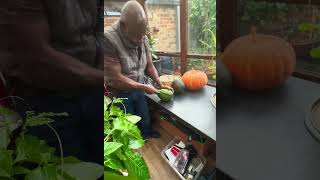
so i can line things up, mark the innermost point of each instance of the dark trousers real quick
(136, 104)
(81, 132)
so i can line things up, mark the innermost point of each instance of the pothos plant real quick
(311, 28)
(122, 137)
(24, 156)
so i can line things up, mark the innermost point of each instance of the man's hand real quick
(150, 89)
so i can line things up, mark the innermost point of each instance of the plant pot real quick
(157, 65)
(303, 49)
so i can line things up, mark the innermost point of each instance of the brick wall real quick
(163, 18)
(108, 21)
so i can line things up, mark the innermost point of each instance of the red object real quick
(175, 151)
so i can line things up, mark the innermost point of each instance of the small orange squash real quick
(194, 79)
(258, 61)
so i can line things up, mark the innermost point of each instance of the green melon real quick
(178, 86)
(165, 95)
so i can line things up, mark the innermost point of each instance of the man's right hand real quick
(150, 89)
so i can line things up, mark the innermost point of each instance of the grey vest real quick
(132, 65)
(73, 26)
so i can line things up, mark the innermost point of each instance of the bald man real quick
(126, 62)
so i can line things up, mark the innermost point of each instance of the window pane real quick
(164, 21)
(170, 65)
(205, 65)
(112, 10)
(201, 26)
(289, 22)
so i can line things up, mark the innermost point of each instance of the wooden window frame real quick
(183, 54)
(227, 28)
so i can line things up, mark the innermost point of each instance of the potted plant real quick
(121, 138)
(309, 49)
(152, 42)
(24, 156)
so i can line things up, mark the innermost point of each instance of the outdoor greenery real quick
(23, 156)
(202, 23)
(122, 137)
(202, 33)
(280, 19)
(311, 28)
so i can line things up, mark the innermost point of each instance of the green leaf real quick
(307, 27)
(32, 149)
(113, 176)
(18, 170)
(133, 119)
(315, 53)
(5, 163)
(4, 137)
(120, 155)
(41, 118)
(127, 127)
(214, 76)
(136, 165)
(120, 124)
(83, 170)
(71, 159)
(6, 111)
(118, 100)
(136, 144)
(110, 147)
(112, 161)
(116, 111)
(48, 172)
(107, 102)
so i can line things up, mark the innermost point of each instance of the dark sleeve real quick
(109, 51)
(20, 11)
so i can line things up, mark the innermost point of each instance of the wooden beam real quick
(227, 22)
(315, 2)
(177, 54)
(184, 34)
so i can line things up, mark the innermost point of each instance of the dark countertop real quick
(193, 109)
(262, 136)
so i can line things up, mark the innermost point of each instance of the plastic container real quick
(171, 143)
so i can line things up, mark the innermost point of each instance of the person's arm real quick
(114, 73)
(40, 64)
(151, 70)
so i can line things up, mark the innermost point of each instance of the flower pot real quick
(303, 49)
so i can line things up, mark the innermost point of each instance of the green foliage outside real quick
(311, 28)
(293, 22)
(202, 20)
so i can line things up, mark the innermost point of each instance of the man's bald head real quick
(134, 20)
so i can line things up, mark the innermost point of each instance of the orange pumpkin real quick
(258, 61)
(194, 79)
